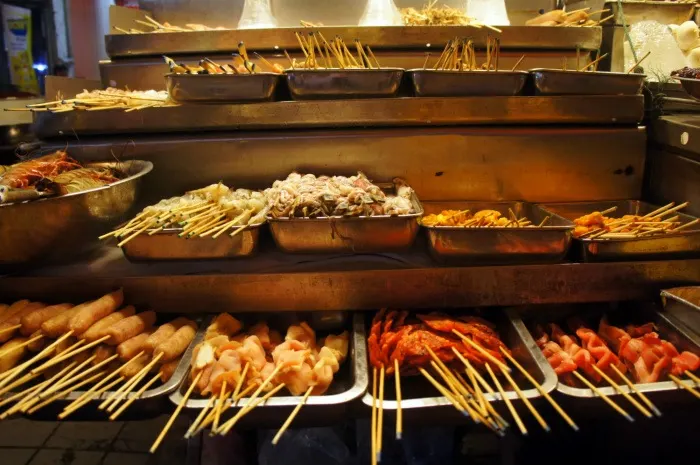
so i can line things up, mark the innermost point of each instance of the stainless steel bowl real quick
(57, 227)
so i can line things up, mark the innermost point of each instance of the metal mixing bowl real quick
(54, 228)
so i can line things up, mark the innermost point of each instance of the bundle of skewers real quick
(597, 225)
(613, 354)
(100, 348)
(156, 27)
(430, 15)
(320, 53)
(209, 211)
(575, 18)
(459, 352)
(241, 65)
(480, 219)
(51, 175)
(230, 365)
(459, 54)
(108, 99)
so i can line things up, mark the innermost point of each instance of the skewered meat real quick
(597, 347)
(25, 174)
(582, 357)
(58, 325)
(130, 327)
(99, 329)
(32, 322)
(129, 348)
(13, 310)
(164, 332)
(10, 355)
(92, 312)
(15, 319)
(176, 345)
(167, 370)
(223, 325)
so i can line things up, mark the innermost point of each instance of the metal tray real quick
(682, 244)
(560, 82)
(683, 304)
(222, 88)
(349, 383)
(690, 85)
(417, 394)
(359, 234)
(499, 245)
(634, 312)
(167, 245)
(443, 83)
(315, 84)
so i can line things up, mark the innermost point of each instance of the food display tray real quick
(324, 84)
(360, 234)
(637, 313)
(167, 245)
(561, 82)
(499, 245)
(681, 244)
(418, 397)
(690, 85)
(349, 383)
(446, 83)
(222, 88)
(683, 305)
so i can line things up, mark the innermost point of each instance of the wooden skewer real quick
(399, 412)
(194, 426)
(138, 394)
(568, 13)
(427, 57)
(607, 399)
(502, 366)
(19, 382)
(66, 392)
(659, 210)
(687, 225)
(626, 395)
(672, 210)
(210, 418)
(681, 384)
(94, 393)
(286, 424)
(443, 391)
(526, 401)
(32, 391)
(594, 62)
(8, 376)
(638, 62)
(262, 386)
(133, 382)
(90, 394)
(517, 63)
(10, 329)
(544, 393)
(692, 376)
(460, 396)
(116, 372)
(380, 414)
(65, 356)
(507, 401)
(217, 414)
(226, 428)
(73, 375)
(373, 432)
(170, 422)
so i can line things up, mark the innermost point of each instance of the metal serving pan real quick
(681, 244)
(499, 245)
(446, 83)
(222, 88)
(309, 84)
(349, 383)
(683, 304)
(690, 85)
(634, 312)
(560, 82)
(54, 228)
(359, 234)
(417, 394)
(167, 245)
(151, 403)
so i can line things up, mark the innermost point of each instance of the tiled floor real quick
(25, 442)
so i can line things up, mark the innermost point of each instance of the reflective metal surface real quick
(441, 83)
(683, 244)
(560, 82)
(167, 245)
(349, 383)
(683, 304)
(312, 84)
(417, 394)
(348, 113)
(692, 86)
(58, 227)
(499, 245)
(401, 37)
(673, 177)
(362, 234)
(222, 88)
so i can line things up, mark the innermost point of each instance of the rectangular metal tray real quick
(499, 245)
(683, 305)
(417, 394)
(560, 82)
(349, 383)
(222, 88)
(633, 312)
(446, 83)
(691, 86)
(315, 84)
(682, 244)
(167, 245)
(361, 234)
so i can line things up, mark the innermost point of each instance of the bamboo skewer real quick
(607, 399)
(380, 414)
(507, 401)
(8, 376)
(31, 392)
(681, 384)
(116, 372)
(8, 330)
(594, 62)
(373, 427)
(502, 366)
(690, 375)
(226, 428)
(132, 383)
(74, 406)
(170, 422)
(65, 356)
(641, 395)
(544, 393)
(217, 413)
(638, 62)
(517, 63)
(526, 401)
(200, 418)
(138, 394)
(625, 394)
(66, 392)
(399, 412)
(73, 375)
(294, 413)
(443, 391)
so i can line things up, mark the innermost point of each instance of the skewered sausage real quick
(15, 320)
(554, 15)
(96, 310)
(99, 329)
(3, 307)
(13, 309)
(167, 370)
(36, 346)
(58, 325)
(129, 348)
(175, 346)
(31, 322)
(103, 352)
(129, 371)
(223, 325)
(163, 333)
(130, 327)
(9, 360)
